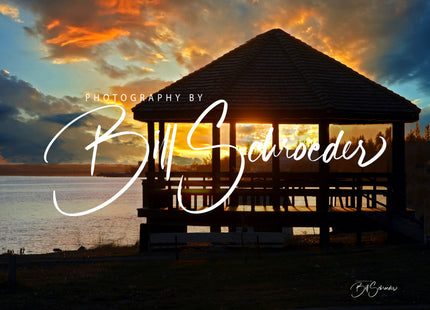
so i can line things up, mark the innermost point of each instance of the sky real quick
(53, 53)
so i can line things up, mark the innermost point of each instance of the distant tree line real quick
(418, 169)
(415, 134)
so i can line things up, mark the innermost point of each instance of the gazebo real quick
(276, 79)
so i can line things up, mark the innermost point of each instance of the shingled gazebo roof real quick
(276, 77)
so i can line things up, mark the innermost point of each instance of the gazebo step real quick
(220, 238)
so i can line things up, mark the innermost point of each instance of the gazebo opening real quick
(183, 156)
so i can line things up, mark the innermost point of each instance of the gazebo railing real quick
(259, 191)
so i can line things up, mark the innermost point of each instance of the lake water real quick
(28, 217)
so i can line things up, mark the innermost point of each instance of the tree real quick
(388, 134)
(415, 135)
(378, 141)
(417, 131)
(427, 133)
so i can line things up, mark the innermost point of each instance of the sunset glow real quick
(58, 53)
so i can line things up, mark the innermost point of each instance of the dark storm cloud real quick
(408, 56)
(6, 111)
(63, 119)
(30, 119)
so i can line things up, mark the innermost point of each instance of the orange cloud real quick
(119, 6)
(150, 23)
(69, 60)
(2, 160)
(314, 26)
(133, 91)
(192, 34)
(202, 137)
(193, 57)
(82, 37)
(8, 10)
(304, 16)
(193, 50)
(55, 23)
(129, 7)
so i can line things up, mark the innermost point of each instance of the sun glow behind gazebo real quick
(246, 134)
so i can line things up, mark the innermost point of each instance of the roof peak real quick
(274, 30)
(277, 75)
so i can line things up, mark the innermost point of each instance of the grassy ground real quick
(298, 276)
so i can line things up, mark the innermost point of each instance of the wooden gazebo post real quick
(232, 162)
(398, 169)
(323, 195)
(276, 168)
(147, 190)
(148, 184)
(161, 139)
(398, 193)
(151, 143)
(216, 172)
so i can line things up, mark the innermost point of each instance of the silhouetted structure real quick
(277, 79)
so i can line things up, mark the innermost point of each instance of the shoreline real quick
(239, 279)
(300, 242)
(65, 170)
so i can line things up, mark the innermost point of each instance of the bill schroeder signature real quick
(330, 153)
(369, 288)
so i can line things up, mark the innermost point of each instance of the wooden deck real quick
(260, 201)
(356, 202)
(261, 221)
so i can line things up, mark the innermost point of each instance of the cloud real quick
(423, 122)
(30, 119)
(149, 32)
(93, 30)
(82, 37)
(179, 160)
(382, 39)
(62, 119)
(385, 40)
(11, 11)
(36, 118)
(115, 72)
(248, 133)
(193, 57)
(6, 112)
(145, 86)
(407, 57)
